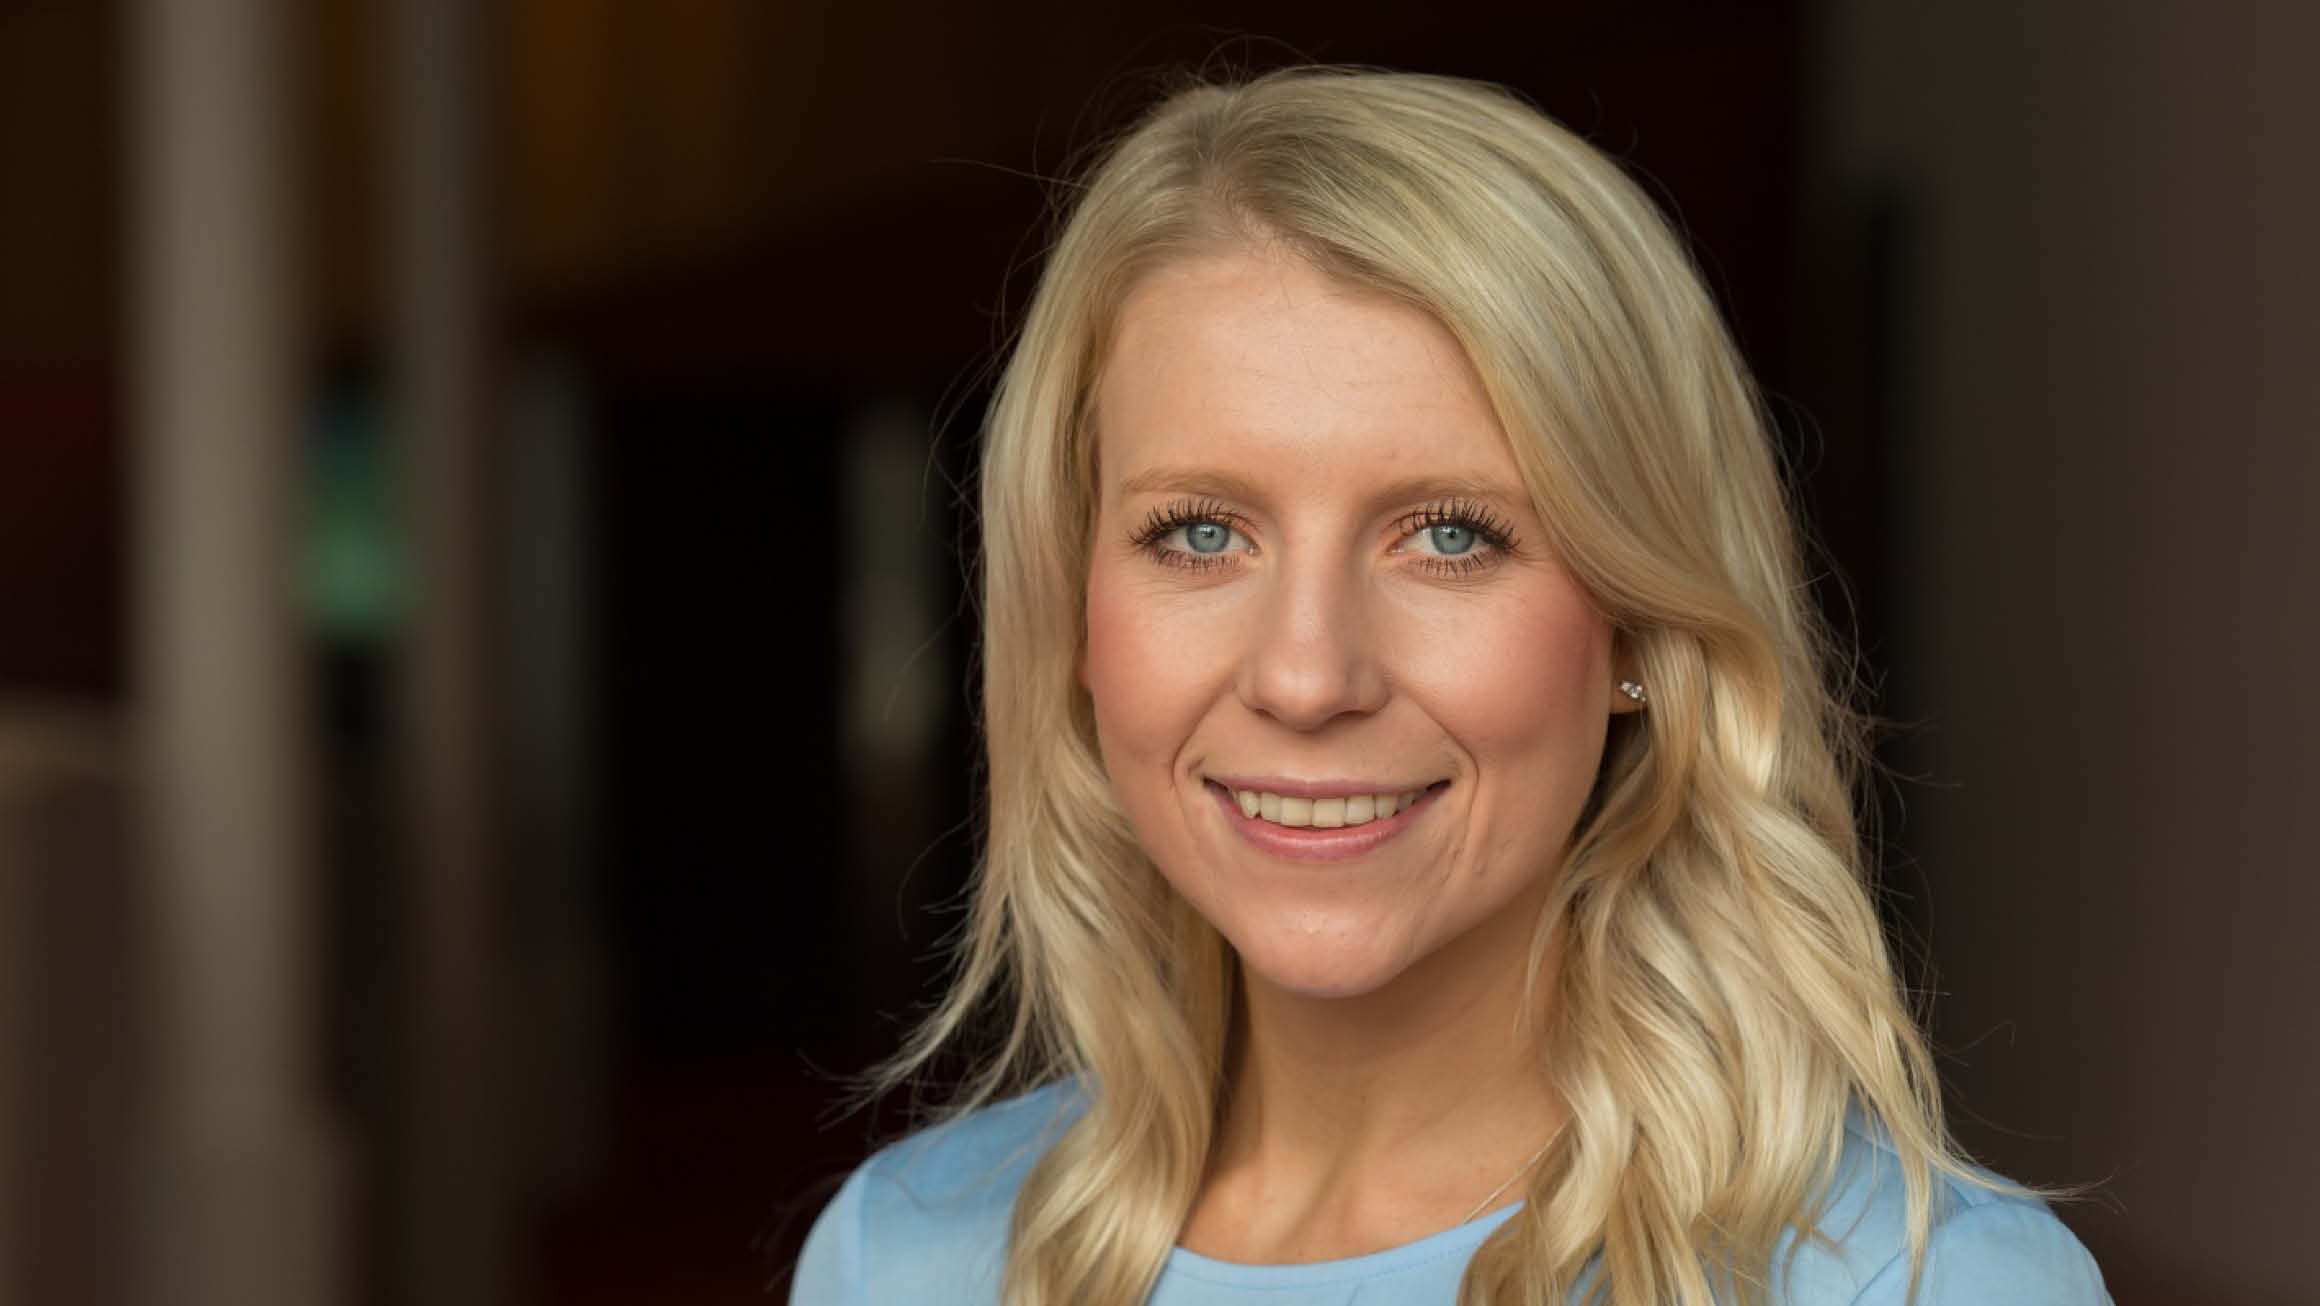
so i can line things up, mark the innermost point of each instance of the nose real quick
(1311, 655)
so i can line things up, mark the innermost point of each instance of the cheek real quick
(1134, 666)
(1568, 682)
(1117, 652)
(1523, 686)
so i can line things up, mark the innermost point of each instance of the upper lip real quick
(1288, 788)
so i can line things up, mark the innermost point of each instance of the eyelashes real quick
(1169, 519)
(1489, 529)
(1462, 536)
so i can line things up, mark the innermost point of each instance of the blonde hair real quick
(1722, 993)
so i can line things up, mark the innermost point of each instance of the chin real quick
(1318, 968)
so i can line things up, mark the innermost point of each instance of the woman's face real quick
(1318, 590)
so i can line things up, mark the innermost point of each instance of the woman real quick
(1421, 864)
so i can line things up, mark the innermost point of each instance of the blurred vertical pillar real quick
(15, 985)
(72, 1009)
(896, 677)
(557, 1056)
(243, 1198)
(450, 1158)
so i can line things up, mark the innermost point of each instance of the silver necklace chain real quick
(1484, 1204)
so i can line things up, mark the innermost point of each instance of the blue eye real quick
(1449, 540)
(1207, 537)
(1198, 534)
(1457, 537)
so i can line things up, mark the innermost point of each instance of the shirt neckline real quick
(1370, 1265)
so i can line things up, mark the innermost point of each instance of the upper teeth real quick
(1322, 813)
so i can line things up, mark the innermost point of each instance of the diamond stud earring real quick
(1634, 691)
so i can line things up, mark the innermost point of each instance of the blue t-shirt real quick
(924, 1223)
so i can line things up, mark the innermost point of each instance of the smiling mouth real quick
(1331, 828)
(1298, 813)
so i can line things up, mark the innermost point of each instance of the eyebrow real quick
(1227, 485)
(1188, 480)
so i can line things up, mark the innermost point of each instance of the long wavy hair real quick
(1722, 992)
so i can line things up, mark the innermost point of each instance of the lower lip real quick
(1308, 844)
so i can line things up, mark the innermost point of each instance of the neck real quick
(1388, 1067)
(1363, 1122)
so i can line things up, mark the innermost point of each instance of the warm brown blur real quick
(485, 735)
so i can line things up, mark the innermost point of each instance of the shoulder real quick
(1984, 1248)
(926, 1218)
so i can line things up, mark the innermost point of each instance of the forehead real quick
(1259, 358)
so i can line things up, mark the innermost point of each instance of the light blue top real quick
(924, 1223)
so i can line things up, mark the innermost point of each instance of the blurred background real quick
(485, 684)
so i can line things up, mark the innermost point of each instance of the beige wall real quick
(2107, 596)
